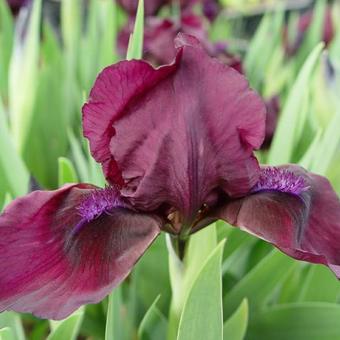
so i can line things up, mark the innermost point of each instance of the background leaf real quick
(236, 326)
(297, 321)
(202, 313)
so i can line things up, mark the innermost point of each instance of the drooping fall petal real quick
(293, 209)
(177, 133)
(65, 248)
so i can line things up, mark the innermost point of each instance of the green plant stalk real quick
(185, 262)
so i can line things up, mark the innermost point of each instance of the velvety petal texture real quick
(65, 248)
(293, 209)
(180, 133)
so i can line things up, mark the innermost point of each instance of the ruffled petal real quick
(117, 87)
(297, 211)
(65, 248)
(187, 129)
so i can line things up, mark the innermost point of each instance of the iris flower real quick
(292, 44)
(15, 5)
(151, 7)
(273, 110)
(176, 146)
(159, 34)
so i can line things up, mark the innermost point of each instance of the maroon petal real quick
(292, 45)
(65, 248)
(295, 210)
(177, 133)
(115, 89)
(273, 109)
(159, 34)
(211, 9)
(221, 51)
(15, 5)
(150, 6)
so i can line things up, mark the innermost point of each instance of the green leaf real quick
(328, 146)
(68, 328)
(80, 161)
(297, 321)
(114, 322)
(153, 325)
(98, 45)
(107, 48)
(308, 158)
(24, 74)
(260, 282)
(262, 46)
(135, 48)
(6, 43)
(7, 200)
(293, 116)
(13, 321)
(95, 170)
(6, 334)
(319, 284)
(155, 260)
(183, 274)
(200, 246)
(71, 28)
(71, 25)
(12, 169)
(238, 246)
(202, 313)
(314, 33)
(291, 286)
(235, 327)
(67, 173)
(47, 139)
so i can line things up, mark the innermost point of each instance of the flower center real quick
(96, 203)
(282, 180)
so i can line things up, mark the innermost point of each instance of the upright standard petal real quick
(293, 209)
(179, 133)
(65, 248)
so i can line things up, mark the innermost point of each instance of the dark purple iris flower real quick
(221, 51)
(15, 5)
(210, 8)
(151, 7)
(272, 116)
(159, 34)
(304, 23)
(176, 146)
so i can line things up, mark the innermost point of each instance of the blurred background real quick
(50, 54)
